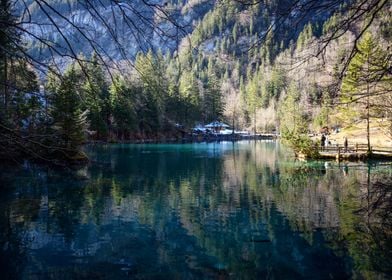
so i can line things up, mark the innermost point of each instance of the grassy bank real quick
(356, 134)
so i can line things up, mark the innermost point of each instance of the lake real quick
(243, 210)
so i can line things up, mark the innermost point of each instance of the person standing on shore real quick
(322, 141)
(345, 144)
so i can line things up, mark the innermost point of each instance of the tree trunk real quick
(255, 121)
(368, 123)
(233, 122)
(368, 105)
(5, 85)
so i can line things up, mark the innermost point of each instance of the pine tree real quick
(235, 32)
(360, 84)
(151, 70)
(173, 72)
(25, 104)
(213, 102)
(122, 102)
(68, 119)
(189, 98)
(294, 124)
(292, 119)
(243, 100)
(9, 42)
(97, 98)
(253, 98)
(322, 119)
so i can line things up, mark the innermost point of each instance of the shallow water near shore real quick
(228, 210)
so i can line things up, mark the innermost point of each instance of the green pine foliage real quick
(153, 92)
(212, 102)
(96, 92)
(322, 118)
(292, 118)
(69, 121)
(189, 98)
(364, 81)
(9, 38)
(124, 112)
(294, 124)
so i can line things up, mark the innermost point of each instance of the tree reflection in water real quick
(230, 210)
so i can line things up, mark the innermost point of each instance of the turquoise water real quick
(244, 210)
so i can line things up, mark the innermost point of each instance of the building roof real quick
(216, 124)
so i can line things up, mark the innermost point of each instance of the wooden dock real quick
(355, 152)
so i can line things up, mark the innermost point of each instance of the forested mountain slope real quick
(117, 31)
(112, 70)
(121, 30)
(260, 56)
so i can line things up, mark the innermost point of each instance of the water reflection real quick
(229, 210)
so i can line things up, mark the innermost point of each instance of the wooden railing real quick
(355, 149)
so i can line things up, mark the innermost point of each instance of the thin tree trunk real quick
(5, 85)
(368, 121)
(186, 116)
(233, 121)
(254, 114)
(368, 107)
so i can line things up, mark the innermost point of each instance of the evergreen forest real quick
(261, 66)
